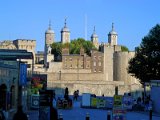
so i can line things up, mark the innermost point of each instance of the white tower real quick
(94, 38)
(65, 34)
(112, 36)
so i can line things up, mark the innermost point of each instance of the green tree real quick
(124, 48)
(79, 43)
(56, 49)
(146, 63)
(74, 47)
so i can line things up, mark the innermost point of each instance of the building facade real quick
(20, 44)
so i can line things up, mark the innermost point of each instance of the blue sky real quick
(29, 19)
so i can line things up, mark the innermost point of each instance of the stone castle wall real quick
(108, 63)
(93, 87)
(85, 80)
(120, 67)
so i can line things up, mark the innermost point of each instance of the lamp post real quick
(60, 82)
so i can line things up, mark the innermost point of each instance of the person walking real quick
(20, 115)
(66, 97)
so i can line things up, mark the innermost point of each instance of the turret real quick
(94, 38)
(65, 34)
(49, 39)
(112, 36)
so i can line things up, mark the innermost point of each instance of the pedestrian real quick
(54, 94)
(20, 115)
(66, 94)
(77, 94)
(139, 101)
(74, 95)
(53, 113)
(2, 117)
(150, 109)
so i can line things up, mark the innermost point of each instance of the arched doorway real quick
(3, 95)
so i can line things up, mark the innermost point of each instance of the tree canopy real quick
(74, 47)
(146, 63)
(124, 48)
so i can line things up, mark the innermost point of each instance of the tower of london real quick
(99, 73)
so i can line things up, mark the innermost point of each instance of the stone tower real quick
(94, 39)
(49, 35)
(112, 36)
(65, 34)
(49, 39)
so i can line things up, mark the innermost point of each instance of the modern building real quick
(13, 78)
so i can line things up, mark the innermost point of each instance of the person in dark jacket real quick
(20, 115)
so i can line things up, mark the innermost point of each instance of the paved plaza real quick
(78, 113)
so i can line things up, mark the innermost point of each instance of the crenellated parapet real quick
(26, 44)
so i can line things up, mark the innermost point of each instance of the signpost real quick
(23, 75)
(127, 102)
(45, 103)
(35, 101)
(119, 113)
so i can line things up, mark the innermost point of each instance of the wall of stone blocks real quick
(94, 87)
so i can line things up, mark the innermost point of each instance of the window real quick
(71, 66)
(94, 64)
(100, 57)
(94, 70)
(70, 59)
(99, 70)
(65, 65)
(99, 64)
(65, 59)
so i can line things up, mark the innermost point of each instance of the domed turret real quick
(49, 35)
(49, 29)
(65, 34)
(112, 32)
(94, 35)
(94, 38)
(112, 36)
(65, 28)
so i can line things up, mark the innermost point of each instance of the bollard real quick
(87, 116)
(108, 115)
(27, 116)
(60, 116)
(150, 114)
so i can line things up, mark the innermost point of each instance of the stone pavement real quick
(33, 115)
(95, 114)
(78, 113)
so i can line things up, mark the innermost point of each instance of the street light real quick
(60, 81)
